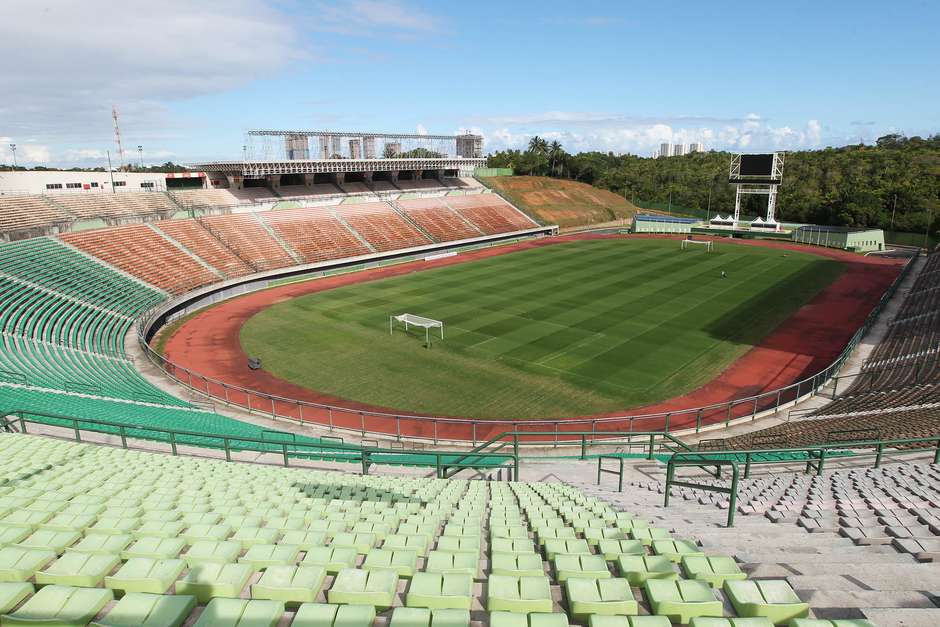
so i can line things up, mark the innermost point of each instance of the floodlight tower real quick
(757, 174)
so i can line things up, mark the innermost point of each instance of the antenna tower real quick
(117, 136)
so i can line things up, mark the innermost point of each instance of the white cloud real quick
(367, 17)
(421, 129)
(76, 59)
(578, 131)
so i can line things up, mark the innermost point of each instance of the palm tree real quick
(554, 151)
(537, 144)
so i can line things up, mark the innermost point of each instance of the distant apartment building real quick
(677, 150)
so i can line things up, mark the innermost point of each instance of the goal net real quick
(691, 243)
(410, 320)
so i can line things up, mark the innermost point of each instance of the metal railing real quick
(285, 444)
(814, 457)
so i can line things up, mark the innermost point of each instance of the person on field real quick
(723, 275)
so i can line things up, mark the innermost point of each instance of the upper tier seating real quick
(214, 197)
(317, 189)
(206, 542)
(410, 184)
(206, 246)
(20, 213)
(141, 251)
(490, 213)
(315, 233)
(244, 234)
(440, 221)
(381, 226)
(123, 204)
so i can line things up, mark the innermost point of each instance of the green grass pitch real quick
(576, 328)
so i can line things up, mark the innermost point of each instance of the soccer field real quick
(569, 329)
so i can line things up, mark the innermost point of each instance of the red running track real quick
(803, 345)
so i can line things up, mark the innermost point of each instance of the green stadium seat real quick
(446, 562)
(599, 620)
(113, 543)
(261, 556)
(207, 581)
(612, 549)
(456, 544)
(63, 606)
(361, 587)
(304, 540)
(149, 610)
(250, 536)
(675, 550)
(714, 569)
(637, 569)
(770, 598)
(70, 522)
(417, 542)
(424, 617)
(594, 535)
(11, 533)
(12, 594)
(195, 533)
(681, 600)
(518, 594)
(519, 531)
(212, 552)
(143, 574)
(49, 540)
(18, 564)
(332, 559)
(241, 613)
(403, 562)
(328, 615)
(646, 535)
(114, 525)
(517, 565)
(154, 548)
(159, 529)
(535, 619)
(78, 569)
(566, 547)
(26, 517)
(599, 596)
(289, 584)
(439, 591)
(584, 566)
(361, 542)
(511, 546)
(545, 534)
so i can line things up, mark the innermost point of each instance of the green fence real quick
(485, 172)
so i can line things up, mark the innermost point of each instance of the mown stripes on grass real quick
(581, 327)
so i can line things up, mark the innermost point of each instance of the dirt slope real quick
(562, 202)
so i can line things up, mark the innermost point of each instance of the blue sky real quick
(189, 78)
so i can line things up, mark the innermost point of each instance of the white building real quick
(678, 150)
(87, 182)
(664, 150)
(696, 147)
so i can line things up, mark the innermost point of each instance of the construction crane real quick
(117, 136)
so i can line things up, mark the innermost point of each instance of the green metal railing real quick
(287, 444)
(815, 458)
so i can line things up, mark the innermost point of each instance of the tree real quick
(538, 145)
(554, 152)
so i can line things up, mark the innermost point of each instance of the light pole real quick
(13, 148)
(140, 153)
(111, 172)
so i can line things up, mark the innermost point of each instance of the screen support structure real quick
(767, 187)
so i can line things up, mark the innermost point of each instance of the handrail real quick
(816, 456)
(418, 426)
(291, 448)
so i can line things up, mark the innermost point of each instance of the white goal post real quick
(411, 320)
(707, 243)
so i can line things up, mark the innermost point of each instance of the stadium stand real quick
(489, 213)
(205, 198)
(315, 233)
(177, 540)
(199, 241)
(121, 205)
(141, 251)
(437, 219)
(384, 228)
(23, 213)
(301, 191)
(247, 237)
